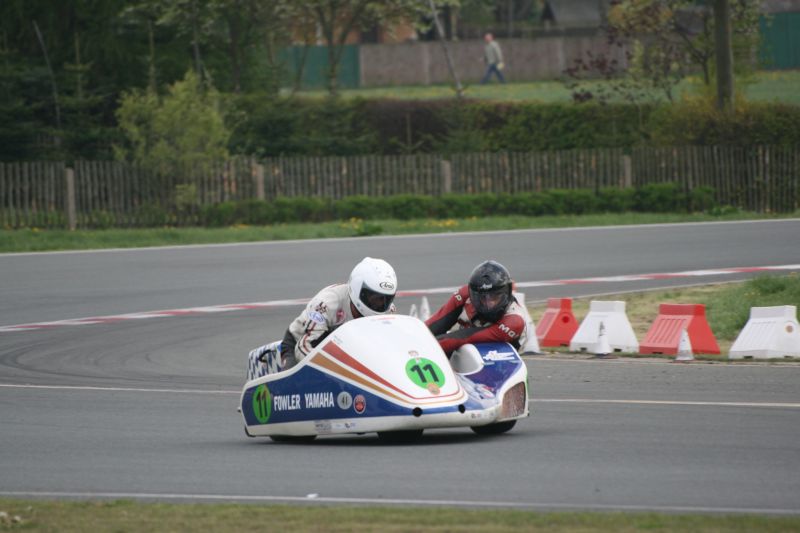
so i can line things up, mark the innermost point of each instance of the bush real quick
(355, 210)
(660, 198)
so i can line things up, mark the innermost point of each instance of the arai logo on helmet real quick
(486, 286)
(387, 285)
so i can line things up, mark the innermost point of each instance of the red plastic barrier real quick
(557, 325)
(664, 335)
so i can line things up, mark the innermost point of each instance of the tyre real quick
(293, 438)
(494, 429)
(400, 437)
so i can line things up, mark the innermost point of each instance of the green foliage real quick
(697, 121)
(271, 127)
(355, 210)
(182, 131)
(268, 126)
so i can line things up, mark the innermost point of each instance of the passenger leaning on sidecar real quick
(370, 291)
(483, 310)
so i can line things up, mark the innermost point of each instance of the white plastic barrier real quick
(618, 329)
(771, 332)
(528, 343)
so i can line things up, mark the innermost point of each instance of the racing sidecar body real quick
(387, 374)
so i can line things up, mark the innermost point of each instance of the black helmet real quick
(490, 290)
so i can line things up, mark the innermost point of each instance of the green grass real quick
(35, 240)
(727, 305)
(768, 86)
(68, 516)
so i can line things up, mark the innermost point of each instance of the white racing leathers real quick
(325, 312)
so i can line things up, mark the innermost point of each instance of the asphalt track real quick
(146, 408)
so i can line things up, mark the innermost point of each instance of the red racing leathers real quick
(459, 311)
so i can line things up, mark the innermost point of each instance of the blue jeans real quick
(492, 69)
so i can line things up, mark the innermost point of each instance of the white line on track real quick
(780, 405)
(397, 501)
(439, 290)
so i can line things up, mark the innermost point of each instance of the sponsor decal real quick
(319, 400)
(494, 355)
(317, 317)
(486, 286)
(323, 426)
(360, 403)
(262, 406)
(458, 297)
(387, 285)
(507, 330)
(286, 402)
(424, 372)
(433, 388)
(322, 308)
(344, 400)
(339, 316)
(413, 353)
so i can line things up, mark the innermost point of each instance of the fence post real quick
(258, 176)
(72, 222)
(627, 172)
(447, 177)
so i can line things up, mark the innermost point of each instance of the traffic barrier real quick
(664, 336)
(528, 343)
(684, 348)
(770, 332)
(558, 324)
(618, 330)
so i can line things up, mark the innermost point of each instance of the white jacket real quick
(326, 311)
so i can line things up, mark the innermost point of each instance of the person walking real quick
(493, 56)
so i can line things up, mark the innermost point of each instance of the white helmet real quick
(373, 285)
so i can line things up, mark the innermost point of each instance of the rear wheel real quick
(293, 438)
(400, 437)
(494, 429)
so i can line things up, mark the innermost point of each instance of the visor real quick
(376, 301)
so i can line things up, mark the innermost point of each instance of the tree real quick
(177, 134)
(667, 39)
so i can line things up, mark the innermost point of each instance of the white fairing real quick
(387, 373)
(385, 344)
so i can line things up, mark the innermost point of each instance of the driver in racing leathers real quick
(483, 310)
(370, 291)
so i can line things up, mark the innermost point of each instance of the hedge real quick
(282, 126)
(650, 198)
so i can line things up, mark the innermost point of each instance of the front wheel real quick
(400, 437)
(494, 429)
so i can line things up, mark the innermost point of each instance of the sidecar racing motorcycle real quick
(385, 374)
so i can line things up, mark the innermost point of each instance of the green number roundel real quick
(424, 372)
(262, 403)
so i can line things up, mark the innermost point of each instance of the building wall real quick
(423, 63)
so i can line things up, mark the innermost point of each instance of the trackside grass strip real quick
(71, 516)
(38, 240)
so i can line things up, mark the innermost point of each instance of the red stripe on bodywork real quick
(343, 357)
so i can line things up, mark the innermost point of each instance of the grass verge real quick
(124, 515)
(767, 86)
(727, 306)
(37, 240)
